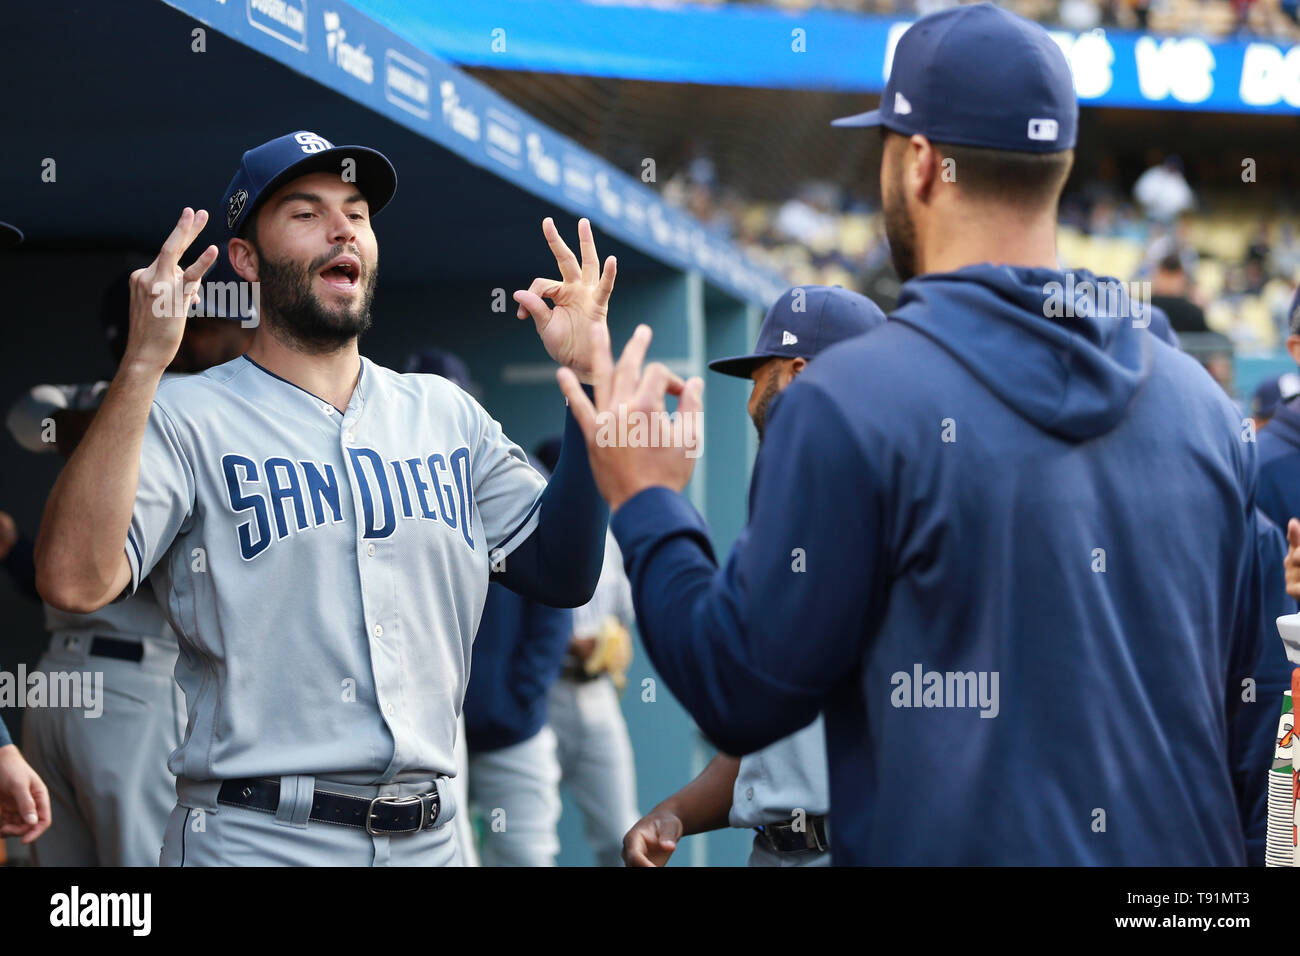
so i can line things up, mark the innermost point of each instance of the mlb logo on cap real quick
(1046, 130)
(978, 75)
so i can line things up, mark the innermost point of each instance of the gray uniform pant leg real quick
(460, 784)
(110, 789)
(596, 760)
(516, 792)
(210, 834)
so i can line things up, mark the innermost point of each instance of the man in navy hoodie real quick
(1006, 542)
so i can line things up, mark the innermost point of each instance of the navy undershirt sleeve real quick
(559, 563)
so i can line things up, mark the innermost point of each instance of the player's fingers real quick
(564, 257)
(189, 225)
(653, 388)
(634, 848)
(602, 365)
(584, 412)
(587, 246)
(542, 288)
(607, 281)
(200, 266)
(530, 303)
(627, 372)
(691, 401)
(688, 423)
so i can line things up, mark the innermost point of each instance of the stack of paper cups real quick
(1280, 848)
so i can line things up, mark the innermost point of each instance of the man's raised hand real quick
(632, 441)
(161, 294)
(581, 298)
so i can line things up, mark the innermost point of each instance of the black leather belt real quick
(377, 815)
(578, 674)
(784, 838)
(117, 648)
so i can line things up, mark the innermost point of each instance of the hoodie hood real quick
(1067, 351)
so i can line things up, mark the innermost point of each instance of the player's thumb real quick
(25, 802)
(669, 831)
(1293, 534)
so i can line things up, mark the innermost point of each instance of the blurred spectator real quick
(1080, 15)
(1170, 288)
(1163, 192)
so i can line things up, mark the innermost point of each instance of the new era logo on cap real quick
(901, 106)
(1044, 130)
(789, 338)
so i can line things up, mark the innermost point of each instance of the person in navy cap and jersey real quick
(781, 791)
(1005, 543)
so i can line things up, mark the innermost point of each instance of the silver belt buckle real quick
(396, 802)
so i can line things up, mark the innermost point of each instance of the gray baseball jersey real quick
(782, 777)
(325, 571)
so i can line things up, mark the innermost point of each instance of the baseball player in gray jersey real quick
(319, 530)
(781, 792)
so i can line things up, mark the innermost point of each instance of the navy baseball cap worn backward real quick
(978, 76)
(264, 169)
(802, 322)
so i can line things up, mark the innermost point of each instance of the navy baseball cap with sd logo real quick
(978, 76)
(266, 168)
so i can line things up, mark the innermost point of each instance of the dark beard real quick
(297, 317)
(764, 404)
(900, 230)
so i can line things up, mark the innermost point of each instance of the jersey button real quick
(370, 550)
(348, 437)
(379, 630)
(749, 793)
(389, 710)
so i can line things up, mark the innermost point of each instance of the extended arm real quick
(702, 805)
(752, 651)
(81, 562)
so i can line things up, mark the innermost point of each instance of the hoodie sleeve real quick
(752, 650)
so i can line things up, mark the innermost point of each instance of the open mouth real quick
(343, 273)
